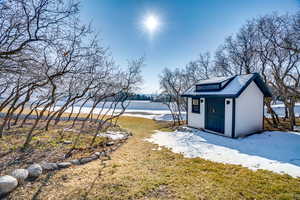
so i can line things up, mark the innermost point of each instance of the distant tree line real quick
(269, 45)
(141, 97)
(47, 55)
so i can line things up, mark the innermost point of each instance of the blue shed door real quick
(215, 114)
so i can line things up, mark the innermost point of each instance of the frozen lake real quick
(157, 110)
(145, 109)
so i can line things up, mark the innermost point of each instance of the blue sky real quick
(187, 28)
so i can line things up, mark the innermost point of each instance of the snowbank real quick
(168, 117)
(114, 135)
(275, 151)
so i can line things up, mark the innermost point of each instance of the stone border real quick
(8, 183)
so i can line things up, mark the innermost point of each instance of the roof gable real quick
(233, 86)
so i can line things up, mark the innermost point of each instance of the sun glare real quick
(151, 23)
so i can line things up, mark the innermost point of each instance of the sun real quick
(151, 23)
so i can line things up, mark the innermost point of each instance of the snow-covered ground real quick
(149, 114)
(162, 114)
(165, 115)
(279, 109)
(168, 117)
(275, 151)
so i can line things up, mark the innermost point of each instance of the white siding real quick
(196, 119)
(249, 111)
(228, 118)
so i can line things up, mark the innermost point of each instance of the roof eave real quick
(209, 95)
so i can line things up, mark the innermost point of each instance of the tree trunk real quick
(8, 115)
(19, 114)
(274, 116)
(292, 119)
(72, 110)
(38, 117)
(76, 117)
(69, 153)
(286, 112)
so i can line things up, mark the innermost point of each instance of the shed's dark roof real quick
(237, 84)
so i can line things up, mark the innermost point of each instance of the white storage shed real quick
(231, 106)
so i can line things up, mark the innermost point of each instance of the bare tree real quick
(28, 23)
(173, 85)
(267, 45)
(281, 63)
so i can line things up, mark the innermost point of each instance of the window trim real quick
(197, 110)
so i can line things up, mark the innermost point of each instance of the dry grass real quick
(27, 110)
(136, 171)
(283, 125)
(47, 145)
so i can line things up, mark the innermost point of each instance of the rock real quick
(114, 148)
(94, 157)
(75, 162)
(103, 154)
(35, 170)
(85, 160)
(110, 143)
(67, 142)
(64, 177)
(108, 151)
(20, 174)
(7, 184)
(49, 166)
(98, 154)
(64, 164)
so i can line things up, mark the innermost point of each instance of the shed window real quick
(196, 105)
(210, 87)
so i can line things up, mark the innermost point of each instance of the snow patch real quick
(168, 117)
(113, 135)
(275, 151)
